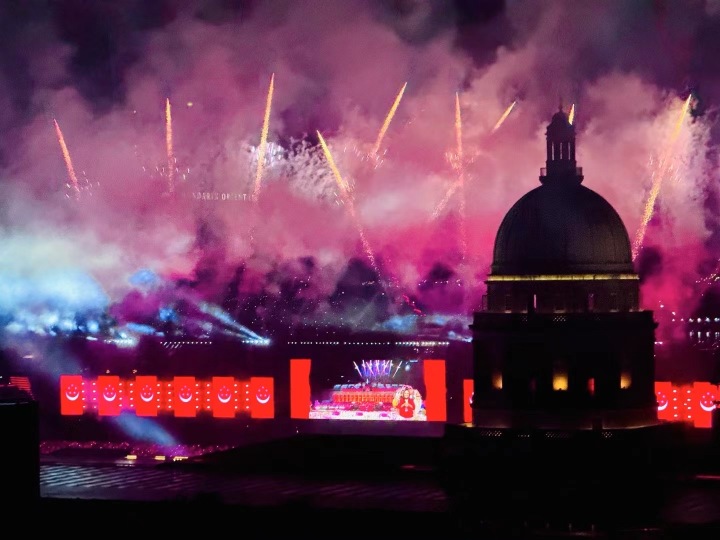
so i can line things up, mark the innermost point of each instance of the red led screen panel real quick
(71, 395)
(703, 404)
(685, 403)
(184, 397)
(224, 397)
(145, 395)
(262, 398)
(300, 387)
(468, 390)
(435, 390)
(109, 395)
(380, 390)
(664, 395)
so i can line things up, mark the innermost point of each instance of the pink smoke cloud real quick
(338, 68)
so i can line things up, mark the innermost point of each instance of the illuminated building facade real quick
(561, 342)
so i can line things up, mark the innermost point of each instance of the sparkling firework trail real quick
(388, 119)
(443, 203)
(348, 200)
(169, 147)
(504, 117)
(458, 131)
(66, 157)
(657, 179)
(397, 369)
(461, 175)
(263, 139)
(344, 188)
(571, 116)
(455, 161)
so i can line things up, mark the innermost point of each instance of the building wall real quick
(594, 365)
(562, 296)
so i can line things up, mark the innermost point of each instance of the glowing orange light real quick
(262, 149)
(344, 187)
(66, 157)
(388, 119)
(458, 130)
(571, 116)
(560, 381)
(503, 117)
(657, 179)
(169, 147)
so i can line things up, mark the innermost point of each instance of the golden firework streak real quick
(571, 116)
(504, 117)
(262, 149)
(169, 147)
(455, 160)
(388, 119)
(348, 200)
(461, 175)
(66, 157)
(657, 179)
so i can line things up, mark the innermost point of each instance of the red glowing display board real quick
(145, 395)
(262, 397)
(184, 397)
(664, 395)
(468, 392)
(385, 390)
(223, 397)
(71, 395)
(109, 395)
(435, 390)
(705, 395)
(300, 396)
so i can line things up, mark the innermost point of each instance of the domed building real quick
(561, 342)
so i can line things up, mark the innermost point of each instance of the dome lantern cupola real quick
(560, 164)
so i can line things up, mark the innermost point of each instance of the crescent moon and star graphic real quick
(109, 393)
(662, 401)
(707, 402)
(72, 392)
(147, 393)
(224, 395)
(262, 395)
(185, 394)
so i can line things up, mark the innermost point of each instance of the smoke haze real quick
(104, 70)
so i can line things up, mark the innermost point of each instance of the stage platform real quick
(355, 486)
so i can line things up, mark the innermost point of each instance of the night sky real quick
(104, 69)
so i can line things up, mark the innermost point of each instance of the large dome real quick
(562, 228)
